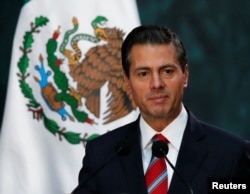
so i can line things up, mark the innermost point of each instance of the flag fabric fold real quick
(65, 88)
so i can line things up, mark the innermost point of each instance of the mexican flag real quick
(65, 88)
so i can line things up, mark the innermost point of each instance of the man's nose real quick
(156, 81)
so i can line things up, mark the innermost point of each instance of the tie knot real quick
(160, 137)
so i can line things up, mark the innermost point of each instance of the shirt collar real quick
(173, 132)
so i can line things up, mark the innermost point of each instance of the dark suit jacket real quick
(205, 151)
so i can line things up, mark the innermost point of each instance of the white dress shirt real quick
(173, 132)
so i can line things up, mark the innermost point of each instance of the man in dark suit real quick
(156, 72)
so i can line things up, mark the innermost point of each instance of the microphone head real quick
(123, 147)
(159, 149)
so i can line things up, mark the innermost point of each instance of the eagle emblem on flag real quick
(74, 94)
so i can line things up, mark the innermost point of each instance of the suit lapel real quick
(132, 163)
(192, 153)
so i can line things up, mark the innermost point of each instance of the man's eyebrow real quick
(142, 68)
(168, 66)
(160, 67)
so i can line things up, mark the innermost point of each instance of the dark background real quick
(9, 12)
(216, 35)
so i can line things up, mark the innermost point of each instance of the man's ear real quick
(186, 76)
(127, 82)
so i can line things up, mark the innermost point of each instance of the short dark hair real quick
(151, 34)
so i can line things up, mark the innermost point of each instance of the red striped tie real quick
(156, 175)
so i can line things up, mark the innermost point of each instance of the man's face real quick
(156, 81)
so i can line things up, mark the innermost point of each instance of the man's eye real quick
(143, 74)
(168, 71)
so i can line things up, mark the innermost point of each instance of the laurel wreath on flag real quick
(61, 81)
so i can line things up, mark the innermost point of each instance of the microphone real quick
(160, 150)
(121, 148)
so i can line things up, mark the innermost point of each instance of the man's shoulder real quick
(221, 134)
(214, 133)
(224, 141)
(117, 134)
